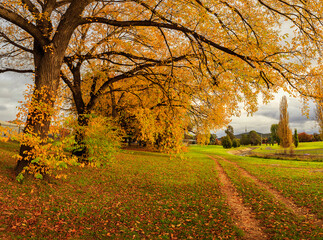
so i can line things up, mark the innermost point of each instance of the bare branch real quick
(12, 42)
(16, 70)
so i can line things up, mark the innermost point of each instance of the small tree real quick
(236, 143)
(295, 138)
(245, 139)
(254, 138)
(226, 142)
(230, 132)
(213, 138)
(284, 133)
(273, 134)
(317, 137)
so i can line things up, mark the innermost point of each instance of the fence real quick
(10, 128)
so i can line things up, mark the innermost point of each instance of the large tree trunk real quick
(47, 75)
(49, 51)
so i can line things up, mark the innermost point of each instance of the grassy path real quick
(300, 211)
(243, 216)
(276, 218)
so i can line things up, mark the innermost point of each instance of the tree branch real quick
(23, 24)
(16, 70)
(31, 7)
(14, 43)
(173, 26)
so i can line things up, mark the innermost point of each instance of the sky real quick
(267, 115)
(12, 86)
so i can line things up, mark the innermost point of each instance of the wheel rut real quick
(297, 210)
(243, 216)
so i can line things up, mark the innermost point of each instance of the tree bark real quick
(47, 74)
(81, 150)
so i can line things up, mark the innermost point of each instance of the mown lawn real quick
(303, 148)
(140, 195)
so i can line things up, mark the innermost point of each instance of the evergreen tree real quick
(254, 138)
(236, 143)
(295, 138)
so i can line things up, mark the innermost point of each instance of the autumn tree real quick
(304, 137)
(319, 107)
(284, 133)
(227, 51)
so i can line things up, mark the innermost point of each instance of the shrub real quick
(102, 139)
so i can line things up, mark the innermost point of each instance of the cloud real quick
(12, 87)
(267, 115)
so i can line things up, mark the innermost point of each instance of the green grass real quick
(302, 181)
(139, 195)
(303, 148)
(150, 195)
(279, 222)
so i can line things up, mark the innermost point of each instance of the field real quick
(303, 148)
(206, 194)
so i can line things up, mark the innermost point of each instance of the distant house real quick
(10, 128)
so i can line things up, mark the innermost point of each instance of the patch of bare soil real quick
(243, 152)
(297, 210)
(244, 217)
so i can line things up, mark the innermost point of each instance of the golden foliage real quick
(283, 131)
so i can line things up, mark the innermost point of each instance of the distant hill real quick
(264, 135)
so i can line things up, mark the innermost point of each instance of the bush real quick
(236, 143)
(103, 139)
(226, 142)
